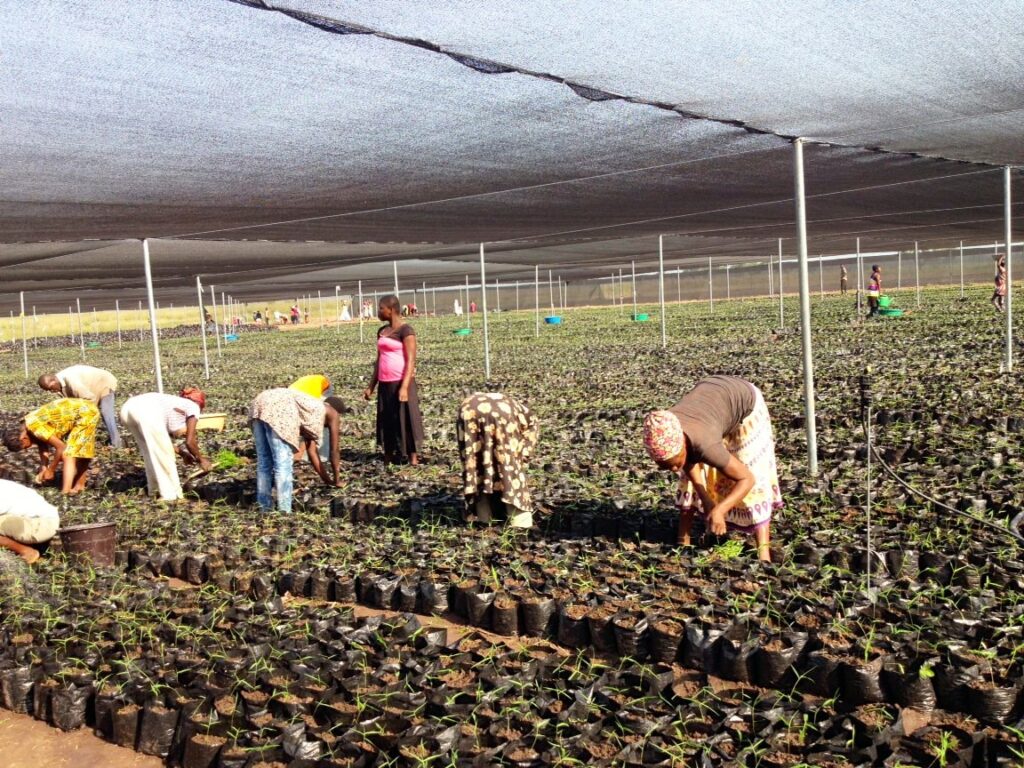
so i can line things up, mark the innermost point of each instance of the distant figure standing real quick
(874, 289)
(472, 307)
(457, 308)
(257, 317)
(346, 315)
(295, 314)
(399, 423)
(999, 294)
(842, 279)
(93, 384)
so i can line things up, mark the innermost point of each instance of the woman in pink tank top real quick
(399, 422)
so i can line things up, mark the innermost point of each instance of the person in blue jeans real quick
(283, 422)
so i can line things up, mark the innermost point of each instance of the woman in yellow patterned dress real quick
(719, 440)
(64, 431)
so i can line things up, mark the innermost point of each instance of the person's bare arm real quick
(744, 481)
(694, 473)
(192, 444)
(368, 392)
(314, 460)
(409, 350)
(50, 460)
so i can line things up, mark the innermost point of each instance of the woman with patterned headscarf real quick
(719, 440)
(497, 436)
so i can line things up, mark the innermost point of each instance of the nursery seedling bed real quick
(600, 577)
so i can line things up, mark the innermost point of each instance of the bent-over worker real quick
(64, 431)
(719, 440)
(282, 420)
(497, 436)
(154, 419)
(89, 383)
(26, 520)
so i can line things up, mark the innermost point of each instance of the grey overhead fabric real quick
(433, 126)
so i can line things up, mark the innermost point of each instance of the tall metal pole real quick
(633, 267)
(711, 287)
(394, 265)
(465, 307)
(821, 277)
(202, 326)
(536, 300)
(961, 269)
(483, 303)
(899, 269)
(771, 276)
(226, 321)
(81, 332)
(622, 292)
(213, 314)
(860, 279)
(117, 315)
(728, 282)
(24, 335)
(1008, 212)
(497, 295)
(661, 289)
(140, 327)
(35, 330)
(679, 285)
(917, 274)
(320, 301)
(551, 292)
(782, 323)
(337, 308)
(517, 295)
(152, 317)
(805, 307)
(360, 311)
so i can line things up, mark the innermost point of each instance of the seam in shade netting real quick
(591, 93)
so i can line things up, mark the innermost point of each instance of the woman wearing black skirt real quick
(399, 423)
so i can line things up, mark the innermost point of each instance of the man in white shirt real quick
(89, 383)
(26, 518)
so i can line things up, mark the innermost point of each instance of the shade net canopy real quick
(285, 147)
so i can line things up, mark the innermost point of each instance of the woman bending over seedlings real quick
(719, 440)
(154, 419)
(282, 421)
(64, 431)
(399, 423)
(26, 520)
(496, 437)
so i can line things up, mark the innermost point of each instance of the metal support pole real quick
(633, 263)
(117, 315)
(81, 331)
(711, 287)
(805, 307)
(622, 292)
(213, 314)
(152, 317)
(961, 269)
(917, 274)
(226, 321)
(465, 307)
(483, 303)
(551, 292)
(140, 327)
(728, 283)
(497, 295)
(860, 279)
(517, 295)
(360, 311)
(1008, 211)
(782, 323)
(24, 335)
(35, 330)
(536, 299)
(679, 286)
(899, 269)
(202, 327)
(395, 267)
(821, 277)
(320, 301)
(661, 289)
(771, 276)
(337, 308)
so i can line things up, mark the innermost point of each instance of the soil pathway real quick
(29, 743)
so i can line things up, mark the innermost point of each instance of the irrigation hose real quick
(1012, 530)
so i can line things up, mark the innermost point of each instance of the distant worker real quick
(26, 520)
(295, 314)
(874, 289)
(457, 308)
(999, 294)
(284, 421)
(497, 436)
(719, 440)
(257, 317)
(842, 279)
(154, 419)
(472, 307)
(346, 313)
(399, 422)
(64, 432)
(93, 384)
